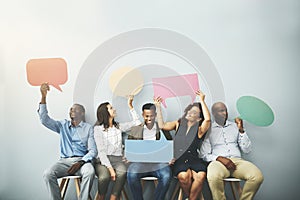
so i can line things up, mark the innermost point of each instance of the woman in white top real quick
(108, 137)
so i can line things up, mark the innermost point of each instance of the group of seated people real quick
(202, 150)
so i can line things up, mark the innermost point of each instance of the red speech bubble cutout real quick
(167, 87)
(51, 70)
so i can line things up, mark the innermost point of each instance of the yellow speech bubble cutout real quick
(126, 81)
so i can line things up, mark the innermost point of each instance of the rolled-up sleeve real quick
(92, 149)
(46, 120)
(101, 146)
(126, 126)
(244, 142)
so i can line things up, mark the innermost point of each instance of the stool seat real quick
(63, 186)
(149, 178)
(232, 179)
(71, 177)
(235, 186)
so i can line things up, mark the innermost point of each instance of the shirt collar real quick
(79, 125)
(228, 123)
(153, 128)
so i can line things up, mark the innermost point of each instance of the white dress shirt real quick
(149, 134)
(224, 141)
(109, 142)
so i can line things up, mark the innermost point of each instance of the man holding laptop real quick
(148, 130)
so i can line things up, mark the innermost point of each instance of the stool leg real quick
(123, 192)
(239, 189)
(97, 195)
(142, 184)
(176, 189)
(233, 190)
(77, 186)
(180, 195)
(201, 196)
(64, 186)
(155, 183)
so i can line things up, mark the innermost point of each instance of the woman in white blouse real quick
(108, 137)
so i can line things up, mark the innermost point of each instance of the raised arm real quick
(168, 126)
(43, 112)
(126, 126)
(44, 90)
(206, 122)
(243, 139)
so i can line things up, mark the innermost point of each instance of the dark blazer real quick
(136, 133)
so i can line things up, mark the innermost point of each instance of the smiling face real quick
(149, 116)
(112, 112)
(76, 112)
(193, 114)
(220, 113)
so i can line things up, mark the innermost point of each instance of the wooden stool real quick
(149, 178)
(63, 186)
(177, 190)
(235, 187)
(180, 193)
(123, 193)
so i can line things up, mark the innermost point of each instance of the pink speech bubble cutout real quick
(172, 86)
(51, 70)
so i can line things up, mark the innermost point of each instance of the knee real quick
(212, 176)
(200, 177)
(184, 177)
(165, 174)
(258, 178)
(121, 174)
(215, 175)
(49, 174)
(103, 177)
(88, 170)
(131, 176)
(165, 179)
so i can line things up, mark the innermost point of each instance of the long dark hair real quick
(103, 116)
(189, 107)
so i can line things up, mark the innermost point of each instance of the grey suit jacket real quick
(136, 133)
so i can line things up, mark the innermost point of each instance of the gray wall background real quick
(254, 45)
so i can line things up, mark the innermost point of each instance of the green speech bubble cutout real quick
(255, 111)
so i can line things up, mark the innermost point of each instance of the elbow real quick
(95, 152)
(161, 126)
(207, 120)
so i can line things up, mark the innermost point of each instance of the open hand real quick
(227, 163)
(171, 162)
(200, 94)
(157, 100)
(75, 167)
(112, 173)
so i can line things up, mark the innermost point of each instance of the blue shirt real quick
(224, 141)
(74, 141)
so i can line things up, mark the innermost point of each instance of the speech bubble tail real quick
(57, 87)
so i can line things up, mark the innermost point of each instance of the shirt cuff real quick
(243, 134)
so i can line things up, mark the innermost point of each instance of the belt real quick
(73, 157)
